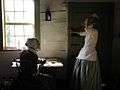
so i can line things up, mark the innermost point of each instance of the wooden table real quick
(50, 67)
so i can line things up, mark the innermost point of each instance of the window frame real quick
(36, 23)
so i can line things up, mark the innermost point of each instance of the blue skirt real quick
(86, 75)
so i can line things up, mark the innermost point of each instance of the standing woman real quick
(86, 73)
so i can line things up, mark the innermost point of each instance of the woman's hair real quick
(93, 19)
(30, 42)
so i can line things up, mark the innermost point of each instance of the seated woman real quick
(29, 59)
(28, 67)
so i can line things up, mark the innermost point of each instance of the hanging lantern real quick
(48, 15)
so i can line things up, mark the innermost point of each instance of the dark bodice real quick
(28, 62)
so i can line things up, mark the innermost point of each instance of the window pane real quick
(29, 30)
(29, 17)
(9, 5)
(18, 16)
(9, 16)
(28, 5)
(11, 41)
(19, 30)
(19, 5)
(29, 11)
(10, 30)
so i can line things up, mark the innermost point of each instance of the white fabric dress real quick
(88, 52)
(86, 73)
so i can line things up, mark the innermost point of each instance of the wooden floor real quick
(59, 84)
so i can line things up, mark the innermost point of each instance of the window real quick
(18, 23)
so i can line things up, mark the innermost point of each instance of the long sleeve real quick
(80, 33)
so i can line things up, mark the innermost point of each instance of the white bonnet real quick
(30, 42)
